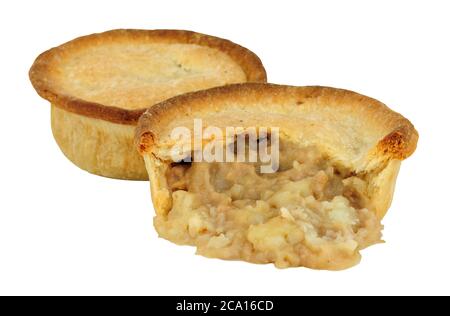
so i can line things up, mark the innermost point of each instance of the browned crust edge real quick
(247, 60)
(399, 143)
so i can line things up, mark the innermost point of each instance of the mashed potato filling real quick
(309, 213)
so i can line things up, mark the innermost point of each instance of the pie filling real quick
(309, 213)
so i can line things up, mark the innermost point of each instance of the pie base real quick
(98, 146)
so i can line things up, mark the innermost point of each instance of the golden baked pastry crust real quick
(43, 69)
(100, 84)
(360, 138)
(98, 146)
(246, 104)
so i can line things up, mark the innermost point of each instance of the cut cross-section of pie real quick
(99, 85)
(339, 156)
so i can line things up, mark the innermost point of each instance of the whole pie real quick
(339, 156)
(100, 84)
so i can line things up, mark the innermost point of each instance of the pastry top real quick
(353, 130)
(116, 75)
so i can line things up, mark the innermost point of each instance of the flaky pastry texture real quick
(118, 74)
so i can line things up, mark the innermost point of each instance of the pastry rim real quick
(399, 142)
(246, 59)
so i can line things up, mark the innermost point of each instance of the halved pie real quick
(99, 85)
(339, 156)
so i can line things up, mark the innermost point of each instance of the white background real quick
(64, 231)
